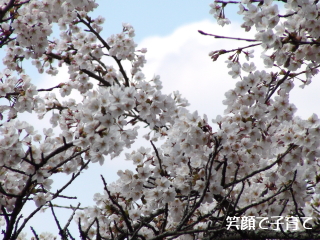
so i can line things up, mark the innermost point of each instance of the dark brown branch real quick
(19, 203)
(61, 232)
(217, 36)
(226, 2)
(5, 40)
(29, 151)
(287, 15)
(74, 176)
(118, 61)
(208, 170)
(178, 233)
(100, 79)
(69, 234)
(281, 190)
(215, 54)
(277, 86)
(164, 224)
(90, 74)
(15, 170)
(21, 3)
(296, 204)
(144, 222)
(7, 194)
(82, 234)
(66, 207)
(238, 198)
(159, 159)
(5, 9)
(104, 66)
(186, 209)
(224, 170)
(57, 151)
(236, 2)
(48, 89)
(35, 234)
(5, 214)
(67, 160)
(98, 237)
(262, 169)
(88, 229)
(123, 214)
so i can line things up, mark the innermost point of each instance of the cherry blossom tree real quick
(197, 183)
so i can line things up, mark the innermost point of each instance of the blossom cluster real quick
(102, 124)
(289, 40)
(262, 160)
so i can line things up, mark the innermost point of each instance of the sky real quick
(179, 54)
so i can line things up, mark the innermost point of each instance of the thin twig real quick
(74, 176)
(118, 61)
(232, 38)
(61, 232)
(123, 214)
(209, 170)
(262, 169)
(68, 159)
(159, 159)
(71, 217)
(286, 188)
(277, 86)
(35, 234)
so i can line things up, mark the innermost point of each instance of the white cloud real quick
(307, 100)
(182, 61)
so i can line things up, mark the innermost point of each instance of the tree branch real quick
(217, 36)
(118, 61)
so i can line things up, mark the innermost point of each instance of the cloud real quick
(182, 61)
